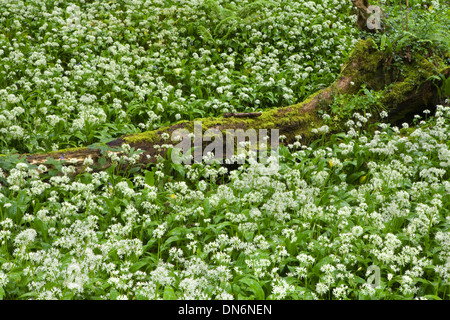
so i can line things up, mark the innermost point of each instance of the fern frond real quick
(228, 24)
(253, 7)
(205, 34)
(217, 12)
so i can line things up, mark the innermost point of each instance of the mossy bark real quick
(404, 92)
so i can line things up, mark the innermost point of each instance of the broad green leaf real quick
(138, 265)
(432, 297)
(169, 293)
(254, 286)
(150, 178)
(27, 295)
(114, 294)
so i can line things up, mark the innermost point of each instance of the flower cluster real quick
(308, 232)
(82, 78)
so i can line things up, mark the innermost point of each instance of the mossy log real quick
(404, 94)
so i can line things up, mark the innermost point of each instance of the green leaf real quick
(432, 297)
(242, 297)
(150, 178)
(402, 42)
(180, 231)
(343, 177)
(179, 168)
(150, 242)
(138, 265)
(446, 88)
(254, 286)
(359, 280)
(169, 293)
(102, 161)
(41, 227)
(114, 294)
(169, 241)
(68, 295)
(27, 295)
(383, 42)
(355, 176)
(322, 262)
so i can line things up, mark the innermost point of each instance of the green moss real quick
(397, 92)
(414, 75)
(407, 131)
(290, 120)
(68, 150)
(209, 123)
(365, 56)
(364, 66)
(147, 136)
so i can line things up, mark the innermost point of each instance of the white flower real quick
(160, 230)
(281, 289)
(321, 288)
(383, 114)
(3, 279)
(357, 231)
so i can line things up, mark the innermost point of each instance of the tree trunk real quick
(403, 95)
(368, 17)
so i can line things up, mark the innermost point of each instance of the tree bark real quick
(366, 11)
(366, 65)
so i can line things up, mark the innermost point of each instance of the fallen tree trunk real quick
(403, 95)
